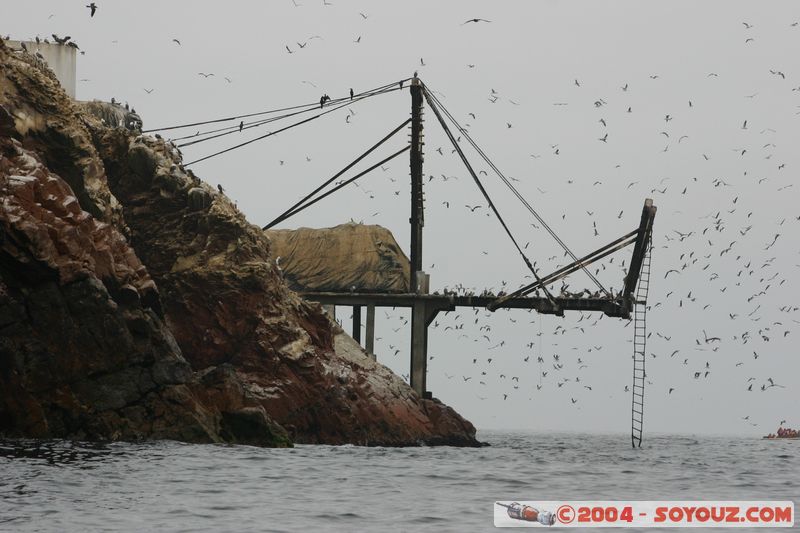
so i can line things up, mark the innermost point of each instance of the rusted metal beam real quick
(639, 248)
(598, 254)
(417, 217)
(615, 307)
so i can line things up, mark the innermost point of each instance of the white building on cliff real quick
(61, 58)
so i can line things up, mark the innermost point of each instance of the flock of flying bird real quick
(725, 254)
(724, 250)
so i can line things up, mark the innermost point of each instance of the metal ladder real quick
(639, 356)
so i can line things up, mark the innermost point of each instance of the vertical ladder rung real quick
(639, 346)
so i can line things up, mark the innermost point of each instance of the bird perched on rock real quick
(221, 190)
(93, 8)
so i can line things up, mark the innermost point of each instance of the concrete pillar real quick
(357, 323)
(419, 356)
(370, 340)
(423, 283)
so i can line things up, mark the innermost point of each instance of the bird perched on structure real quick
(351, 93)
(241, 125)
(93, 8)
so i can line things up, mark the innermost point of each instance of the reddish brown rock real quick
(226, 302)
(92, 346)
(36, 110)
(84, 351)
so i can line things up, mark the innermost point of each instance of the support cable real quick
(598, 254)
(290, 108)
(235, 128)
(268, 134)
(574, 267)
(286, 214)
(201, 137)
(449, 134)
(235, 117)
(345, 183)
(513, 189)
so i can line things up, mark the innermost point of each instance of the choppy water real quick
(169, 486)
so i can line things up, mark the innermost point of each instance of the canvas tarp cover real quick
(346, 258)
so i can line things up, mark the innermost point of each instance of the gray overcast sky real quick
(665, 54)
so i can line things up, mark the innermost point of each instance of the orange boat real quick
(782, 433)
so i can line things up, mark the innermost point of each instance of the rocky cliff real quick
(137, 302)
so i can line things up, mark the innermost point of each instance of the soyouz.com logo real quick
(747, 514)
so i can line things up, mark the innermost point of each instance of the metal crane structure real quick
(425, 306)
(629, 303)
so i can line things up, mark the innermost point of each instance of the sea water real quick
(171, 486)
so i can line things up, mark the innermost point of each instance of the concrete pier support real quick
(370, 340)
(419, 344)
(423, 311)
(357, 323)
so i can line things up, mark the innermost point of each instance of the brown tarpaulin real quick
(345, 258)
